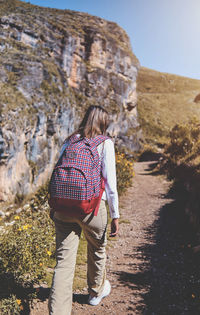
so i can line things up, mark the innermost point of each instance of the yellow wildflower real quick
(18, 301)
(41, 264)
(49, 253)
(19, 229)
(17, 217)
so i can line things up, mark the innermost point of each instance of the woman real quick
(68, 228)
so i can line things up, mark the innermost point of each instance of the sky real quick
(164, 34)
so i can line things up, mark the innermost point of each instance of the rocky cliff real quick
(53, 64)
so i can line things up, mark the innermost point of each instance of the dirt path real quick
(147, 265)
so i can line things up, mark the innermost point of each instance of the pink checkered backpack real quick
(76, 184)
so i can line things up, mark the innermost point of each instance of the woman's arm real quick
(109, 175)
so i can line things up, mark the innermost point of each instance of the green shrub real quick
(11, 306)
(125, 172)
(27, 248)
(182, 165)
(27, 245)
(184, 145)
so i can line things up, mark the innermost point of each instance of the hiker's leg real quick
(67, 240)
(94, 228)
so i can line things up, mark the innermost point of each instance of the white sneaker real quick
(95, 300)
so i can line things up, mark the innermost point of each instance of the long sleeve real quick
(109, 175)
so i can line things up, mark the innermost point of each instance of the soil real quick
(150, 264)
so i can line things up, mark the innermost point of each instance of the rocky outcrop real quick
(54, 63)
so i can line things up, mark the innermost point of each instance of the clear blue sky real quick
(165, 34)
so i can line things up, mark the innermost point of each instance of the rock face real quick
(53, 65)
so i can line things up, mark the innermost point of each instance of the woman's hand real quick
(114, 227)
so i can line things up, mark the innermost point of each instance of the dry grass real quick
(163, 101)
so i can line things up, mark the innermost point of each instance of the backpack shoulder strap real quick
(74, 138)
(99, 139)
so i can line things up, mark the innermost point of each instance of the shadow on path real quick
(168, 281)
(80, 298)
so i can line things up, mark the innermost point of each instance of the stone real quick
(26, 207)
(9, 223)
(18, 210)
(2, 214)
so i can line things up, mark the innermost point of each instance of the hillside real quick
(164, 100)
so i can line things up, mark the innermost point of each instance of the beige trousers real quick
(68, 231)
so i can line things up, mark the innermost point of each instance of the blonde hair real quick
(95, 122)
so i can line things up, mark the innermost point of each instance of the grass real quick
(163, 101)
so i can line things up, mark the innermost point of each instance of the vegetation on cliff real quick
(58, 19)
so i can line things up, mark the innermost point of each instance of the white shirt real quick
(107, 153)
(109, 175)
